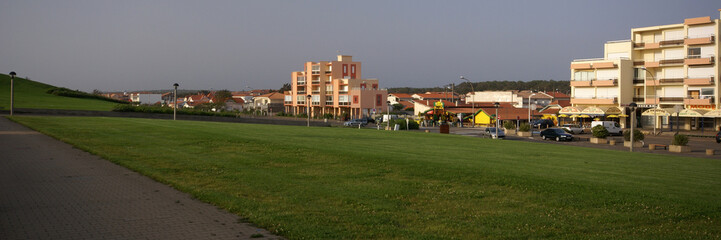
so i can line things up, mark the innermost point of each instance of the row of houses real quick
(264, 100)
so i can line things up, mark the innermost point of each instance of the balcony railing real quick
(343, 91)
(315, 82)
(301, 102)
(301, 82)
(694, 100)
(638, 81)
(315, 103)
(288, 102)
(328, 102)
(301, 92)
(638, 99)
(671, 80)
(576, 83)
(671, 61)
(671, 42)
(605, 83)
(697, 40)
(343, 103)
(639, 45)
(316, 92)
(699, 60)
(594, 100)
(699, 81)
(671, 99)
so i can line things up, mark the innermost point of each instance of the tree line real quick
(536, 85)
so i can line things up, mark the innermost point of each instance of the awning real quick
(571, 110)
(593, 111)
(713, 114)
(612, 116)
(657, 112)
(613, 111)
(563, 115)
(573, 116)
(584, 116)
(692, 113)
(623, 115)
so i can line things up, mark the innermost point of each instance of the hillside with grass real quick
(32, 94)
(344, 183)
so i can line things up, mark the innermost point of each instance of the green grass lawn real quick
(32, 94)
(340, 183)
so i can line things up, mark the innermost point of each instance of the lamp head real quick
(309, 96)
(12, 74)
(496, 104)
(632, 105)
(176, 84)
(464, 78)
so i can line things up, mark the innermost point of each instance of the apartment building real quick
(334, 87)
(666, 70)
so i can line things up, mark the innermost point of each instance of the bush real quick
(599, 131)
(508, 125)
(59, 91)
(302, 115)
(402, 122)
(525, 127)
(328, 116)
(680, 140)
(637, 135)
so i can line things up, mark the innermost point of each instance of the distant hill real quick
(32, 94)
(462, 88)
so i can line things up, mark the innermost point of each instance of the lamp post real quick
(388, 103)
(529, 113)
(473, 103)
(175, 99)
(12, 92)
(495, 104)
(307, 107)
(632, 106)
(655, 112)
(678, 111)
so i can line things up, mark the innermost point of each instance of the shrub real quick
(680, 140)
(509, 125)
(328, 116)
(60, 91)
(637, 135)
(302, 115)
(599, 131)
(402, 122)
(525, 127)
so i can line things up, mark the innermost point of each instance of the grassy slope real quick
(31, 94)
(348, 183)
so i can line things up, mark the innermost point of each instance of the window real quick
(607, 74)
(355, 99)
(329, 98)
(316, 98)
(363, 86)
(352, 69)
(328, 88)
(583, 76)
(694, 52)
(300, 99)
(379, 99)
(707, 92)
(375, 86)
(300, 80)
(700, 32)
(316, 69)
(639, 74)
(343, 98)
(700, 72)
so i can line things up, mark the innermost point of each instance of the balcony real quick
(638, 81)
(329, 103)
(698, 20)
(315, 103)
(301, 82)
(301, 92)
(678, 61)
(315, 92)
(605, 83)
(651, 64)
(699, 40)
(671, 99)
(639, 63)
(580, 66)
(343, 103)
(637, 99)
(651, 100)
(698, 60)
(652, 45)
(639, 45)
(288, 102)
(343, 91)
(301, 103)
(652, 82)
(671, 80)
(580, 83)
(607, 101)
(601, 65)
(671, 43)
(698, 101)
(696, 81)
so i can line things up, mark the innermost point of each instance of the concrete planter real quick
(612, 142)
(679, 149)
(635, 144)
(524, 134)
(598, 140)
(510, 131)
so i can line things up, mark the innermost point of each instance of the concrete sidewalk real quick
(50, 190)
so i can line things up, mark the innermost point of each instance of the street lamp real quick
(12, 97)
(632, 106)
(175, 99)
(473, 103)
(496, 105)
(655, 112)
(529, 108)
(388, 103)
(307, 107)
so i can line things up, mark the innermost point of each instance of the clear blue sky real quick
(133, 45)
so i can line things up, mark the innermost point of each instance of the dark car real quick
(369, 120)
(557, 134)
(355, 122)
(542, 123)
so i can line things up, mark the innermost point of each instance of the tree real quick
(286, 87)
(223, 95)
(398, 107)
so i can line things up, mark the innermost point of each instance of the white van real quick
(613, 127)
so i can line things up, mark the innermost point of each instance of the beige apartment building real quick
(334, 87)
(666, 70)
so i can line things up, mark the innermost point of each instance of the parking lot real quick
(698, 144)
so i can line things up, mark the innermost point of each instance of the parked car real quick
(557, 134)
(542, 123)
(355, 123)
(369, 119)
(572, 128)
(491, 131)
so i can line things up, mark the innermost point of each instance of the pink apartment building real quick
(334, 87)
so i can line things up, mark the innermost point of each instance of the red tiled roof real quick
(562, 103)
(273, 95)
(558, 95)
(401, 95)
(435, 95)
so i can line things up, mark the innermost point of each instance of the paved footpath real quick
(50, 190)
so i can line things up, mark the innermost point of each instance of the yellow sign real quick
(438, 105)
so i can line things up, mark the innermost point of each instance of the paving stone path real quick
(50, 190)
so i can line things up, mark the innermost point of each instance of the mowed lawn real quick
(32, 94)
(341, 183)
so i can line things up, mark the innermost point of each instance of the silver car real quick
(572, 128)
(491, 131)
